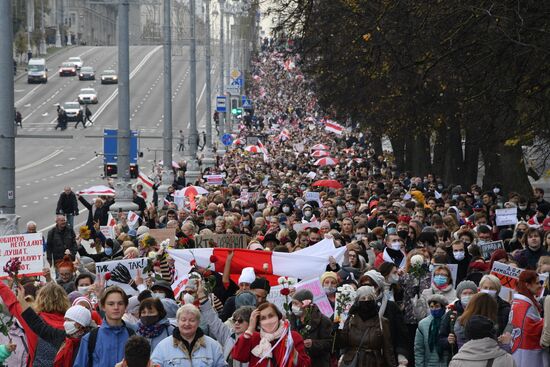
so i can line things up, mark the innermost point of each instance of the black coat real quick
(320, 329)
(100, 215)
(67, 204)
(59, 241)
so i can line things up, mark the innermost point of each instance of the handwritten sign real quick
(487, 248)
(122, 271)
(319, 296)
(164, 233)
(314, 196)
(508, 276)
(506, 217)
(277, 298)
(28, 248)
(222, 240)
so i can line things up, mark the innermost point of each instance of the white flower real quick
(292, 281)
(417, 260)
(152, 255)
(281, 280)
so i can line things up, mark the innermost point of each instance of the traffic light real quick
(236, 106)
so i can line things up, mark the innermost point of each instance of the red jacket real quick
(242, 351)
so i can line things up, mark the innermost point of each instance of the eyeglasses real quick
(238, 321)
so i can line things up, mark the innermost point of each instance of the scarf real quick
(433, 336)
(151, 331)
(263, 349)
(67, 353)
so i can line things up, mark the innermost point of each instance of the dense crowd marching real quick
(419, 284)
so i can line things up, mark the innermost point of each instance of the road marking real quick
(39, 162)
(53, 225)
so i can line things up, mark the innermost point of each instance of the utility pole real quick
(59, 17)
(192, 172)
(222, 63)
(124, 195)
(8, 218)
(30, 24)
(43, 50)
(167, 175)
(208, 160)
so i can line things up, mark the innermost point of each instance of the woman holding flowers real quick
(315, 328)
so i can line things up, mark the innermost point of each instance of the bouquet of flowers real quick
(84, 232)
(306, 308)
(286, 283)
(345, 296)
(208, 275)
(418, 267)
(5, 326)
(12, 268)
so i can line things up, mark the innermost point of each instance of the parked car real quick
(86, 73)
(67, 69)
(109, 77)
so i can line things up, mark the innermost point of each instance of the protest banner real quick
(314, 196)
(452, 267)
(508, 276)
(108, 231)
(487, 248)
(161, 234)
(28, 248)
(506, 217)
(319, 296)
(222, 241)
(121, 272)
(277, 298)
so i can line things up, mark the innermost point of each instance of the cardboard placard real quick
(122, 271)
(28, 247)
(164, 233)
(508, 276)
(506, 217)
(314, 196)
(222, 241)
(319, 296)
(487, 248)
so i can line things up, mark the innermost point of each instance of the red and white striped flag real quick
(334, 127)
(147, 184)
(111, 222)
(132, 219)
(214, 179)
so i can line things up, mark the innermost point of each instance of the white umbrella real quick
(100, 190)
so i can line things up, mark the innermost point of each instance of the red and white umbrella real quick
(192, 190)
(100, 190)
(239, 142)
(327, 161)
(253, 149)
(320, 147)
(320, 153)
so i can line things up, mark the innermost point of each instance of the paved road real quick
(47, 160)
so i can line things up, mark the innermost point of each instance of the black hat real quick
(479, 327)
(260, 283)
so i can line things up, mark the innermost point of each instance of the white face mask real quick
(395, 245)
(459, 255)
(70, 327)
(159, 295)
(465, 300)
(188, 298)
(394, 279)
(261, 206)
(297, 311)
(490, 292)
(83, 289)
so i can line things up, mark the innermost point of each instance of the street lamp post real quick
(221, 76)
(8, 218)
(124, 195)
(42, 30)
(208, 160)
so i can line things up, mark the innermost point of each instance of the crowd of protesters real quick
(424, 292)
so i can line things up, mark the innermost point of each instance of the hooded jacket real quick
(109, 347)
(476, 353)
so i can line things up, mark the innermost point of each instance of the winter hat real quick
(493, 279)
(302, 295)
(439, 299)
(255, 246)
(376, 277)
(74, 295)
(79, 314)
(465, 284)
(260, 283)
(133, 305)
(247, 275)
(366, 291)
(142, 230)
(80, 300)
(479, 327)
(245, 298)
(329, 274)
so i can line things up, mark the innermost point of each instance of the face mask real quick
(261, 206)
(159, 295)
(269, 325)
(440, 280)
(359, 237)
(297, 311)
(489, 291)
(459, 255)
(438, 312)
(286, 209)
(70, 327)
(496, 190)
(465, 300)
(108, 251)
(149, 320)
(477, 197)
(83, 289)
(522, 207)
(403, 234)
(330, 290)
(455, 196)
(394, 279)
(246, 223)
(395, 245)
(307, 214)
(519, 234)
(208, 222)
(340, 209)
(431, 267)
(440, 187)
(350, 206)
(303, 188)
(188, 298)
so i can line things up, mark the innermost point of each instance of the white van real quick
(37, 71)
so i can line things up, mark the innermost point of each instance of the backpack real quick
(93, 340)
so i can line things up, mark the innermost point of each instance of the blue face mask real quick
(108, 251)
(438, 313)
(440, 280)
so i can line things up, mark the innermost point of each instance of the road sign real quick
(235, 73)
(233, 89)
(221, 103)
(227, 139)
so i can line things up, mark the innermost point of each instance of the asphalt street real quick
(47, 160)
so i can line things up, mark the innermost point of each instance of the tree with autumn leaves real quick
(448, 82)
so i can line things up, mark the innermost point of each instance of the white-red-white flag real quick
(334, 127)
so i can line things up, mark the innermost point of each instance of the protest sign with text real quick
(506, 216)
(122, 272)
(222, 240)
(28, 248)
(487, 248)
(508, 276)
